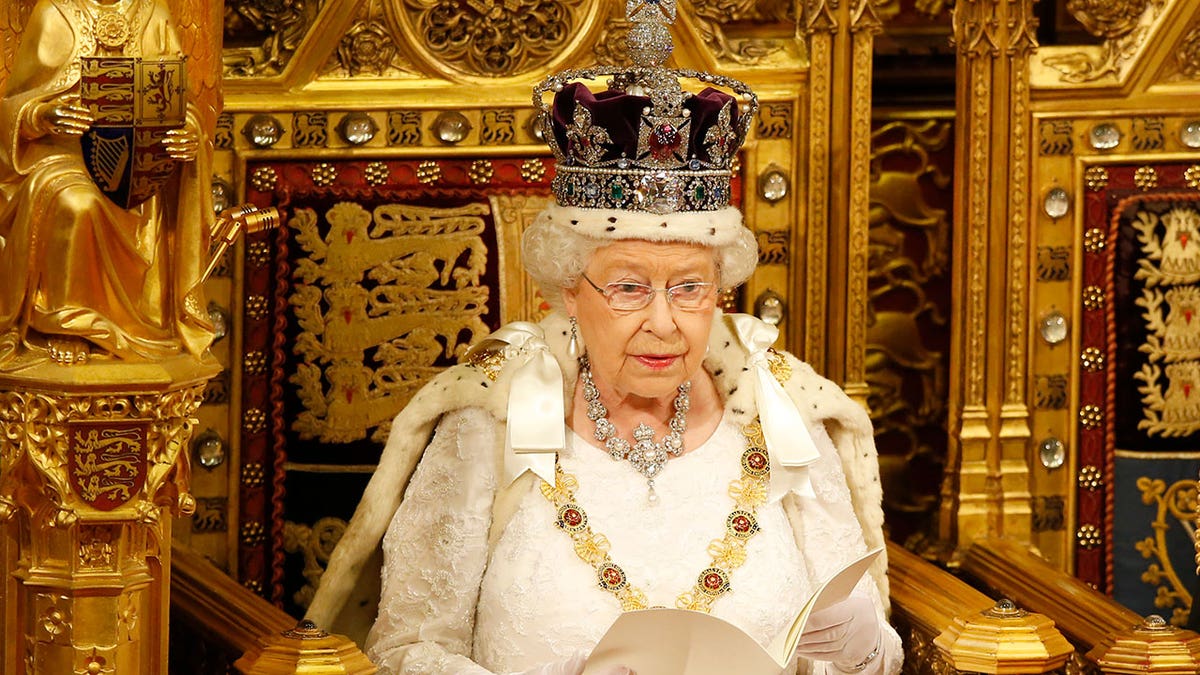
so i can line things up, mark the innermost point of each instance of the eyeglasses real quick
(629, 296)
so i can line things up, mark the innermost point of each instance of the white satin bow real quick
(789, 443)
(535, 431)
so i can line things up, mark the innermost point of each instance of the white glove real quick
(572, 665)
(845, 634)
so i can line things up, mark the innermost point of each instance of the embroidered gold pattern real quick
(728, 553)
(1170, 269)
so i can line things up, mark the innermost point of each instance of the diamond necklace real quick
(645, 455)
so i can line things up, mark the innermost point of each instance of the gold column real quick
(987, 483)
(94, 465)
(841, 41)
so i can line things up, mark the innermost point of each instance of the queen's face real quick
(647, 352)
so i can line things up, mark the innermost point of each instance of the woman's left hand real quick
(845, 634)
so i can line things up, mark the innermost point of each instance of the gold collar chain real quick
(728, 553)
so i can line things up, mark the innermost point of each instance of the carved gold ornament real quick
(112, 30)
(1188, 54)
(1175, 505)
(1107, 18)
(1096, 178)
(122, 458)
(495, 38)
(1124, 26)
(366, 47)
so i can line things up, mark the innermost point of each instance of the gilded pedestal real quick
(91, 469)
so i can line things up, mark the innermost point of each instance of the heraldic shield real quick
(134, 102)
(106, 461)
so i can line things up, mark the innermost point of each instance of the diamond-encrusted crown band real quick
(645, 144)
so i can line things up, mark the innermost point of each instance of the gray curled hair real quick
(555, 256)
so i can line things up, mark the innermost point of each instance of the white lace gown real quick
(448, 606)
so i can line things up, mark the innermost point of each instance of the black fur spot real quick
(610, 228)
(712, 231)
(718, 372)
(612, 219)
(483, 384)
(738, 411)
(733, 390)
(663, 225)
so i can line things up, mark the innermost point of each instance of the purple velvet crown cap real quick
(620, 114)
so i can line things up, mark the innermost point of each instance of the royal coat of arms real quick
(106, 461)
(134, 102)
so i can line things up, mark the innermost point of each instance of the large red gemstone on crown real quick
(713, 581)
(664, 141)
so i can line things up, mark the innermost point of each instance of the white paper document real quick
(666, 641)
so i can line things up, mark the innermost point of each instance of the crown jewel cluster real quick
(645, 143)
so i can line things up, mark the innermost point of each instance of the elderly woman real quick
(638, 448)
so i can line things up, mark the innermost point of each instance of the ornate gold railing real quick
(950, 627)
(1114, 638)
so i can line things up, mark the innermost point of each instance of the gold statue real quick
(81, 273)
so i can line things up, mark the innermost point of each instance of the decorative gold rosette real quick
(112, 30)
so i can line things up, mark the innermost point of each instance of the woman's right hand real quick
(572, 665)
(63, 117)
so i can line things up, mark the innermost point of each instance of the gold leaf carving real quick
(1188, 54)
(492, 38)
(381, 298)
(1123, 23)
(284, 24)
(711, 17)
